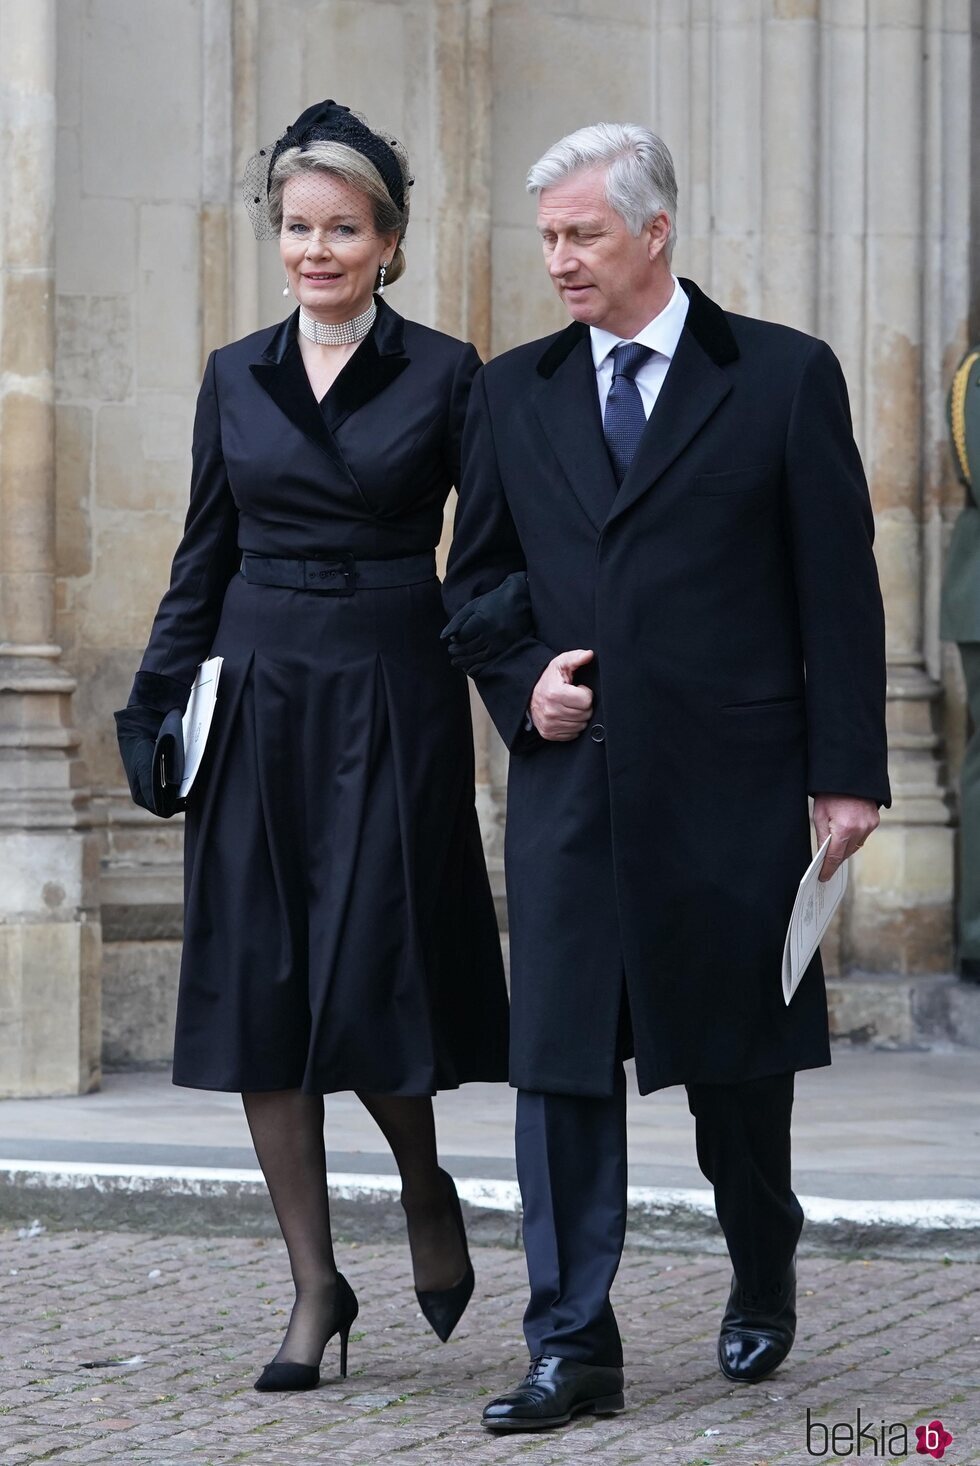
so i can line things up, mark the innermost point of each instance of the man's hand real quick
(560, 710)
(848, 821)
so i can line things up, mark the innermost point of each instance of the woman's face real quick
(329, 245)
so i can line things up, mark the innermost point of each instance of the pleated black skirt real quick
(339, 928)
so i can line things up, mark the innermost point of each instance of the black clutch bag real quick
(168, 765)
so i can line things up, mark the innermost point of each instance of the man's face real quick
(599, 268)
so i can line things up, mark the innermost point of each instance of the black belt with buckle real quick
(339, 574)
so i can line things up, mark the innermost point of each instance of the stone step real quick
(892, 1012)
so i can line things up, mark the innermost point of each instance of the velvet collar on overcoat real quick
(568, 406)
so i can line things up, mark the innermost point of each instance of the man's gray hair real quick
(640, 178)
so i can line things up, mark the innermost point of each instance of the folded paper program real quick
(197, 719)
(815, 904)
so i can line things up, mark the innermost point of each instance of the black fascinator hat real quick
(327, 121)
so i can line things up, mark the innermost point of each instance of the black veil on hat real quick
(327, 121)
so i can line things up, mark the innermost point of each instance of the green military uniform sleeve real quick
(960, 608)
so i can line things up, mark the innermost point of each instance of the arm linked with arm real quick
(486, 552)
(491, 622)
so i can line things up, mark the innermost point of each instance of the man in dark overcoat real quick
(700, 647)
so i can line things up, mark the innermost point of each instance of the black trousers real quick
(571, 1165)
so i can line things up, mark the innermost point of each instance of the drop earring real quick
(285, 288)
(381, 281)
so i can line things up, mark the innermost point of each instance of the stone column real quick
(217, 173)
(243, 143)
(461, 269)
(900, 912)
(49, 930)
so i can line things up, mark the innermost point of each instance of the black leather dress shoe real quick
(553, 1391)
(757, 1331)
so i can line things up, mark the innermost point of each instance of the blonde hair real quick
(351, 167)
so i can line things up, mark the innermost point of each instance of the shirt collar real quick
(661, 334)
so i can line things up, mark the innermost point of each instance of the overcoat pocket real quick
(786, 700)
(735, 481)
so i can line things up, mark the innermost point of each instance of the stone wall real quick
(821, 151)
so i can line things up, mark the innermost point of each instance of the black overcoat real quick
(339, 926)
(729, 592)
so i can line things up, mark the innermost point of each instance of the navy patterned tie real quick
(624, 418)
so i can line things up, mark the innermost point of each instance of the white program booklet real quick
(813, 908)
(197, 719)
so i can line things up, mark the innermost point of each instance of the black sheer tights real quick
(287, 1132)
(407, 1123)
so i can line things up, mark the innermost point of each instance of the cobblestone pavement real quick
(188, 1321)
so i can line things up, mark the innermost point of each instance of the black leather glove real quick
(489, 624)
(155, 701)
(136, 732)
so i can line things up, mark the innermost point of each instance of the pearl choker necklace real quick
(325, 333)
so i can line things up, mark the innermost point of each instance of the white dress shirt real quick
(662, 335)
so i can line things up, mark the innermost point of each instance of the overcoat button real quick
(598, 733)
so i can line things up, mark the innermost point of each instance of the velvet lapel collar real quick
(376, 362)
(567, 403)
(281, 372)
(695, 384)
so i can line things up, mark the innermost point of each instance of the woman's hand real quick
(136, 732)
(490, 624)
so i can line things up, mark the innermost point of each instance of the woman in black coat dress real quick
(339, 928)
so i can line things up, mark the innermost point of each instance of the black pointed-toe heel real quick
(281, 1375)
(444, 1307)
(288, 1377)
